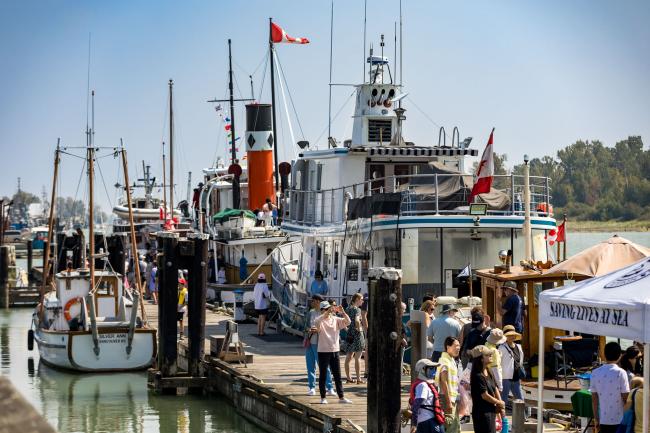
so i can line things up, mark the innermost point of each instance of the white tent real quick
(614, 305)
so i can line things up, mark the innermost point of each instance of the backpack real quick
(439, 415)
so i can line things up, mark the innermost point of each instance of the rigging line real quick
(329, 106)
(71, 154)
(336, 115)
(295, 112)
(104, 183)
(266, 65)
(423, 113)
(286, 108)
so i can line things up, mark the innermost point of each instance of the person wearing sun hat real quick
(512, 361)
(261, 295)
(494, 340)
(445, 325)
(513, 307)
(486, 398)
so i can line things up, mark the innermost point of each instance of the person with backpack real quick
(478, 335)
(427, 415)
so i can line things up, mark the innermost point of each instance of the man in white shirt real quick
(609, 390)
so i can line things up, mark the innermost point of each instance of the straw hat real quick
(509, 331)
(479, 351)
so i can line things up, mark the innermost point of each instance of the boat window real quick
(365, 265)
(376, 171)
(401, 170)
(352, 270)
(335, 272)
(105, 287)
(327, 253)
(319, 251)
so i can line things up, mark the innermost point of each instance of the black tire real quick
(30, 339)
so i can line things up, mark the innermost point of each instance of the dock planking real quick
(279, 364)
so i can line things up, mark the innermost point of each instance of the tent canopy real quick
(602, 258)
(615, 305)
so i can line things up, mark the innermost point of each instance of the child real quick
(182, 304)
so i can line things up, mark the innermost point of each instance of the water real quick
(120, 402)
(116, 402)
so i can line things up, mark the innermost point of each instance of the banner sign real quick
(602, 315)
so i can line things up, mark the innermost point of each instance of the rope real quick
(336, 115)
(425, 115)
(104, 184)
(266, 65)
(283, 77)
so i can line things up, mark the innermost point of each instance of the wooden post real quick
(4, 276)
(197, 290)
(167, 304)
(518, 415)
(30, 261)
(384, 350)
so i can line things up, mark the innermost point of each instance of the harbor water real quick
(120, 402)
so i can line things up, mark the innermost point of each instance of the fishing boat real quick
(86, 319)
(377, 199)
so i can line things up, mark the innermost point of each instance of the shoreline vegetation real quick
(606, 226)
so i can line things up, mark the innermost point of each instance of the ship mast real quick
(171, 149)
(91, 198)
(275, 144)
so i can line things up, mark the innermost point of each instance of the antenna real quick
(401, 40)
(329, 108)
(395, 46)
(365, 8)
(252, 89)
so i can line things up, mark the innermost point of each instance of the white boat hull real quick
(140, 214)
(74, 350)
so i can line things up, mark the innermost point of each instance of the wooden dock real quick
(16, 414)
(275, 383)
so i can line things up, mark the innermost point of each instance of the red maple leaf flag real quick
(551, 237)
(278, 35)
(485, 171)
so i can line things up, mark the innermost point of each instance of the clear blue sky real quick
(545, 74)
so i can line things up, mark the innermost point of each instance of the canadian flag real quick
(561, 232)
(551, 237)
(485, 171)
(278, 36)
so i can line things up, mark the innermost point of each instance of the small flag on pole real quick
(466, 272)
(278, 35)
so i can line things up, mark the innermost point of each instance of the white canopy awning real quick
(614, 305)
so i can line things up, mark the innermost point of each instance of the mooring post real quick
(167, 304)
(197, 291)
(518, 415)
(30, 261)
(4, 276)
(384, 350)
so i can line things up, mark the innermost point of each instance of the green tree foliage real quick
(590, 181)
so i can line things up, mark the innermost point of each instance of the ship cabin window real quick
(379, 130)
(376, 171)
(319, 251)
(400, 170)
(327, 254)
(365, 266)
(140, 204)
(105, 286)
(337, 246)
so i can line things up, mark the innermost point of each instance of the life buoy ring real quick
(68, 305)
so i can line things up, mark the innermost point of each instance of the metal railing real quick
(420, 194)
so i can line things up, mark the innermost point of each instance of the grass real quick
(609, 226)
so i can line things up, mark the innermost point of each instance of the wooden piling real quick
(4, 276)
(384, 350)
(167, 304)
(197, 290)
(518, 416)
(30, 261)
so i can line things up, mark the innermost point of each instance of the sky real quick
(544, 74)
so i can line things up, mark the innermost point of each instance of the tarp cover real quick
(604, 257)
(228, 213)
(614, 305)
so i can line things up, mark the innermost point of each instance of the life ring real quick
(546, 208)
(68, 305)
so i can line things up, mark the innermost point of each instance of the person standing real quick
(609, 390)
(426, 411)
(319, 285)
(262, 295)
(243, 267)
(153, 283)
(512, 361)
(448, 383)
(494, 340)
(486, 399)
(328, 326)
(477, 335)
(635, 399)
(182, 304)
(444, 326)
(355, 339)
(212, 273)
(629, 361)
(513, 308)
(311, 351)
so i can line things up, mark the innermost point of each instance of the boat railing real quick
(418, 194)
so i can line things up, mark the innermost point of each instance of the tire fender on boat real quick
(68, 305)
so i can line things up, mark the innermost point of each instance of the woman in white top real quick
(262, 295)
(512, 360)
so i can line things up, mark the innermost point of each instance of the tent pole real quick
(646, 387)
(540, 382)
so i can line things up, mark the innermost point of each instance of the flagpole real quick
(233, 150)
(275, 147)
(564, 243)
